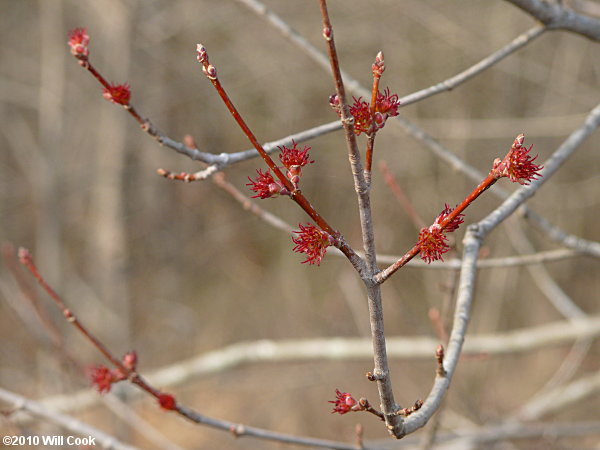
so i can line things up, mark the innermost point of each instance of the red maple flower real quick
(103, 378)
(167, 401)
(312, 241)
(118, 93)
(361, 112)
(386, 106)
(453, 224)
(78, 41)
(343, 402)
(294, 159)
(265, 185)
(291, 157)
(517, 165)
(432, 243)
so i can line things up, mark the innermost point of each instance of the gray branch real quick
(556, 16)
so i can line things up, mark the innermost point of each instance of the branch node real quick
(439, 356)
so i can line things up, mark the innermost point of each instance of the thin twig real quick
(220, 360)
(292, 190)
(381, 371)
(556, 16)
(236, 428)
(248, 204)
(591, 248)
(34, 408)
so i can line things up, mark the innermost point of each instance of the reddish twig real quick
(398, 192)
(377, 68)
(295, 194)
(517, 165)
(126, 370)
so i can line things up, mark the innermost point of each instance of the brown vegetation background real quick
(173, 270)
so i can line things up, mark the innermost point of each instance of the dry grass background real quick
(174, 270)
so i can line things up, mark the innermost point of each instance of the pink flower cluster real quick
(312, 241)
(79, 41)
(103, 378)
(517, 165)
(293, 159)
(433, 242)
(344, 403)
(118, 93)
(386, 106)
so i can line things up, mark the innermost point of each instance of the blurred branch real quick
(25, 405)
(127, 369)
(590, 123)
(561, 397)
(475, 438)
(473, 240)
(248, 204)
(556, 16)
(143, 427)
(354, 86)
(343, 349)
(508, 261)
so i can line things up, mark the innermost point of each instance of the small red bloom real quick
(517, 165)
(454, 223)
(167, 401)
(361, 112)
(432, 243)
(78, 41)
(312, 241)
(343, 402)
(291, 157)
(118, 93)
(103, 378)
(265, 185)
(294, 159)
(386, 106)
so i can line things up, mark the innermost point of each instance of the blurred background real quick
(174, 270)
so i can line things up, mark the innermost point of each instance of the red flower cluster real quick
(103, 378)
(265, 185)
(517, 165)
(344, 402)
(386, 106)
(433, 242)
(294, 159)
(312, 241)
(118, 93)
(78, 41)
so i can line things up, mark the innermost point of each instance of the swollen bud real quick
(379, 65)
(202, 56)
(210, 71)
